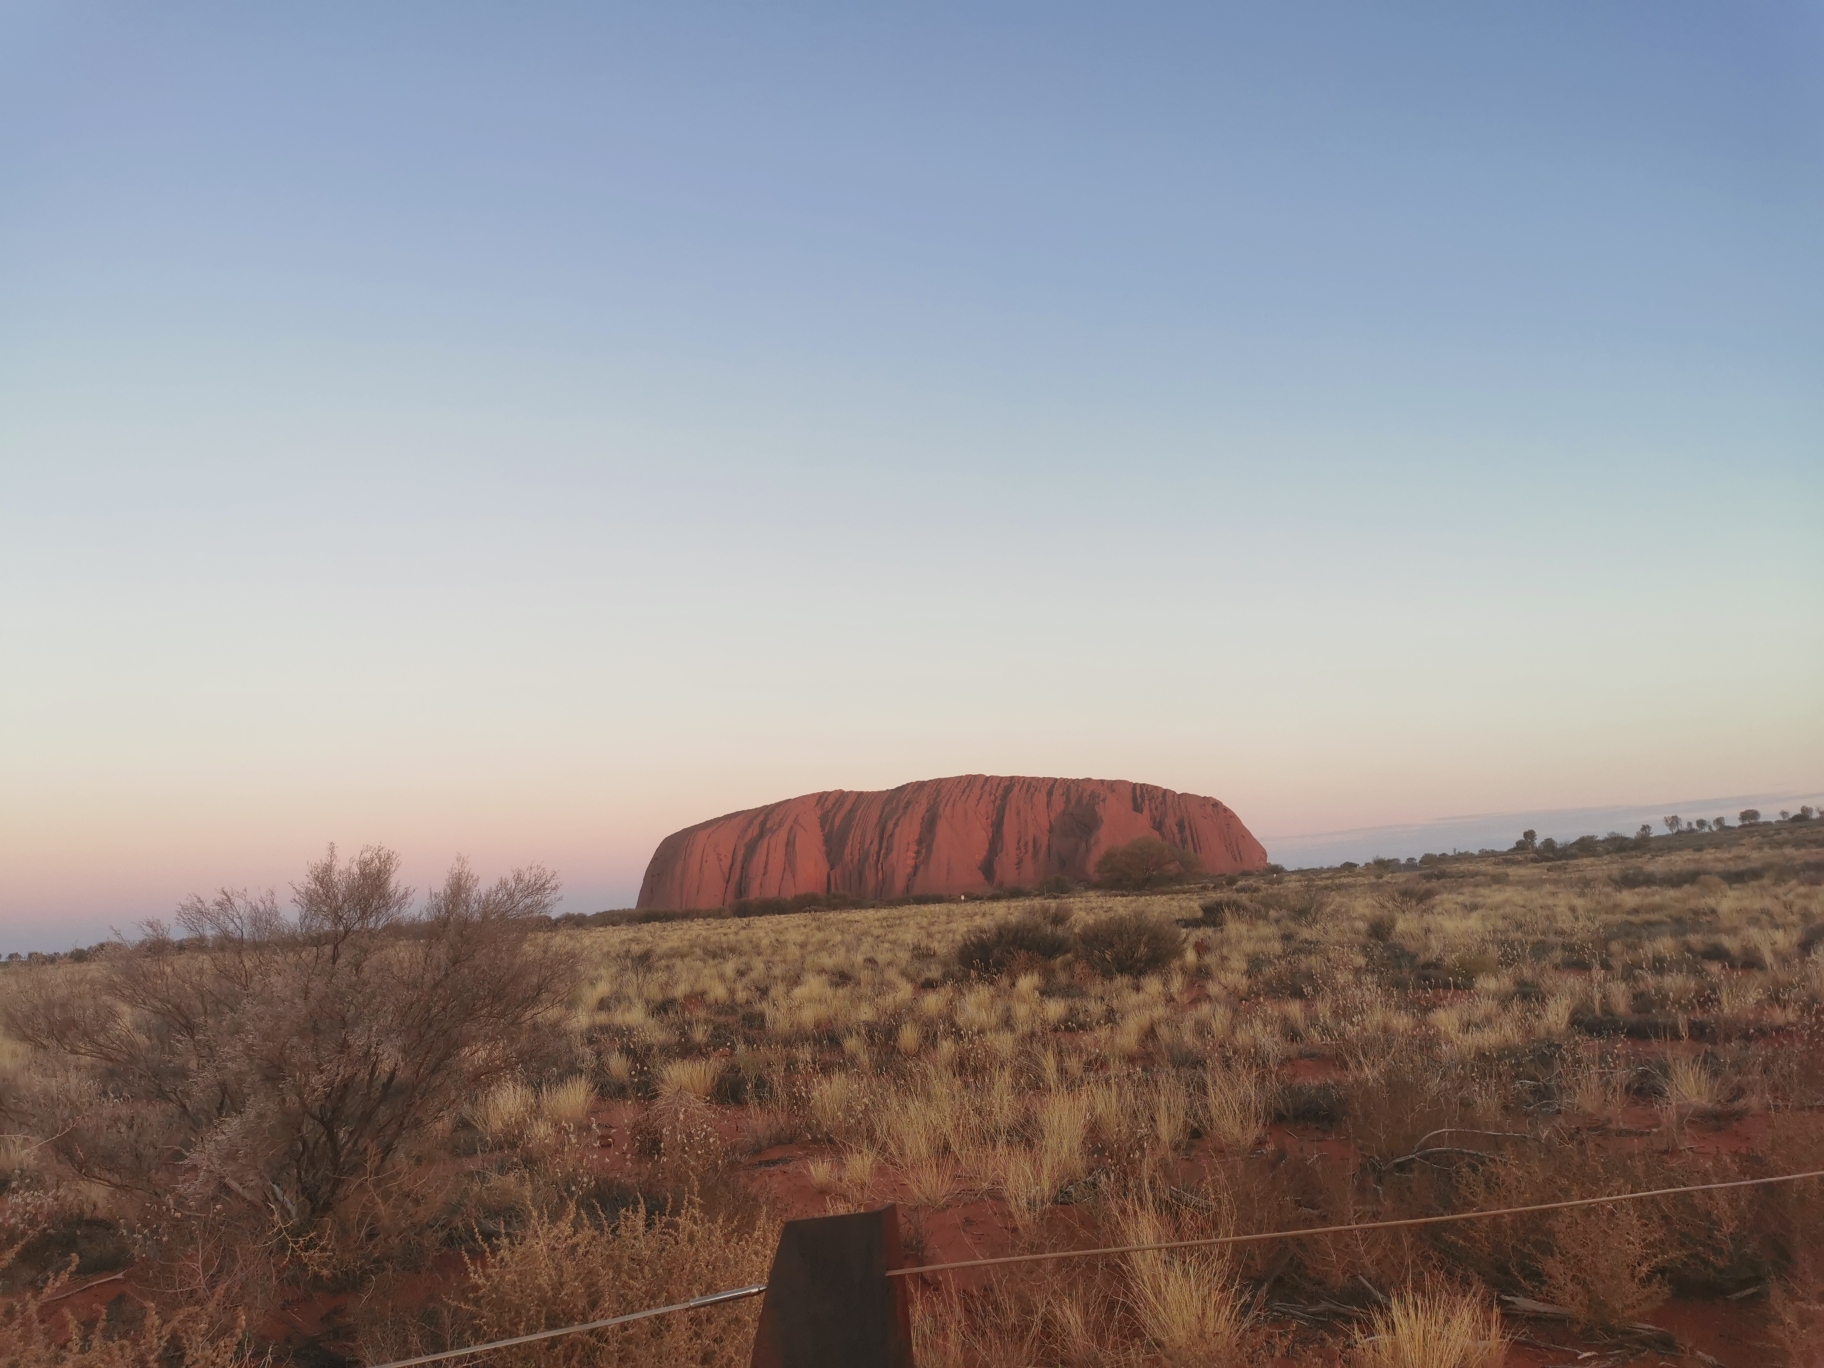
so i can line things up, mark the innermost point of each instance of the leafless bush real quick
(1603, 1264)
(33, 1335)
(272, 1073)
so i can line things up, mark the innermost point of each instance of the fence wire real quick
(711, 1299)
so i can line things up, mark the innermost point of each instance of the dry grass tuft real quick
(1232, 1109)
(1186, 1302)
(505, 1109)
(1437, 1329)
(694, 1076)
(567, 1103)
(929, 1182)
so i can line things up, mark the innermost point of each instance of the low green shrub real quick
(1133, 942)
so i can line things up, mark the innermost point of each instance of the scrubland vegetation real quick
(355, 1133)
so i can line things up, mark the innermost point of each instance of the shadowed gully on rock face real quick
(938, 836)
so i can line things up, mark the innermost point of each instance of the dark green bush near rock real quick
(1132, 942)
(1145, 863)
(993, 950)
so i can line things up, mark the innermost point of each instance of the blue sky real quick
(524, 431)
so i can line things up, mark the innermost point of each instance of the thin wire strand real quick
(1339, 1229)
(710, 1300)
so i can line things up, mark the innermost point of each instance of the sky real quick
(522, 431)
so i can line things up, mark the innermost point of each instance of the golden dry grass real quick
(566, 1102)
(1432, 1329)
(505, 1109)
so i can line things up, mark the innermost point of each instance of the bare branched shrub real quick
(1603, 1265)
(276, 1073)
(34, 1335)
(677, 1137)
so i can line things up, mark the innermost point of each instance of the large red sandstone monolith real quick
(947, 836)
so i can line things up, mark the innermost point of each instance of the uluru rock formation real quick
(961, 835)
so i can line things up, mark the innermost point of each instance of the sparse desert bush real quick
(294, 1060)
(1603, 1265)
(1128, 943)
(993, 950)
(270, 1079)
(32, 1335)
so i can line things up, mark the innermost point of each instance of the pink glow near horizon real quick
(131, 858)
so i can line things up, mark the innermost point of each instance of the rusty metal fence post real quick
(829, 1302)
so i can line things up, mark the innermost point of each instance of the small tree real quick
(1701, 824)
(1145, 863)
(1748, 816)
(1645, 833)
(1675, 824)
(287, 1066)
(1718, 824)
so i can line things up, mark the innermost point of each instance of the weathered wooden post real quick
(829, 1302)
